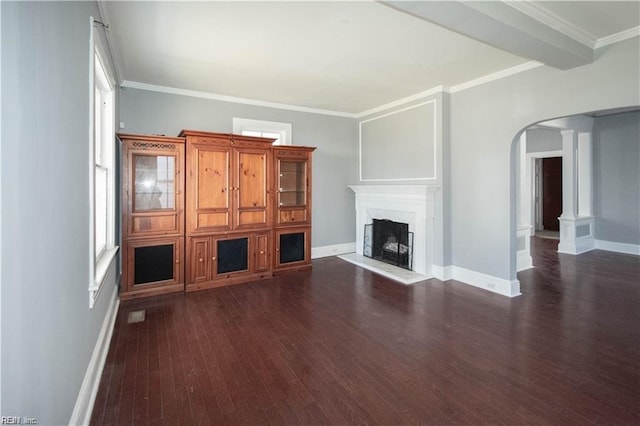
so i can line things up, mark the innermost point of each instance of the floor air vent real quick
(135, 316)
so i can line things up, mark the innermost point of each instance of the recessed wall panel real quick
(400, 145)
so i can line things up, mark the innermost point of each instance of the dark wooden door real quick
(551, 193)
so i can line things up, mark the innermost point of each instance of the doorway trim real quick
(530, 185)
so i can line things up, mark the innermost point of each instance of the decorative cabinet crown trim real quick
(149, 145)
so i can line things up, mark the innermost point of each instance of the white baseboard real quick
(618, 247)
(87, 396)
(334, 250)
(443, 273)
(581, 245)
(524, 261)
(477, 279)
(487, 282)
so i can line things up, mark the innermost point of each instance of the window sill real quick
(102, 267)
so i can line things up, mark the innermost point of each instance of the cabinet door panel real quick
(252, 188)
(199, 262)
(292, 185)
(213, 179)
(232, 256)
(208, 188)
(152, 263)
(252, 179)
(262, 253)
(293, 247)
(154, 185)
(152, 188)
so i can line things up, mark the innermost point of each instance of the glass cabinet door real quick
(292, 183)
(154, 182)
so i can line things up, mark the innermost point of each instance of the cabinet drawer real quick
(292, 216)
(145, 225)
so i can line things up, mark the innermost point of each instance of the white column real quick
(523, 196)
(569, 174)
(523, 232)
(576, 222)
(585, 181)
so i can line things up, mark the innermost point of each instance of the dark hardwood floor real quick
(341, 345)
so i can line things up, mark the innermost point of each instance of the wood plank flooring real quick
(341, 345)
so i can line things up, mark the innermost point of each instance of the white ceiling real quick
(346, 57)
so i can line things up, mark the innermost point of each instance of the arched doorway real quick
(589, 144)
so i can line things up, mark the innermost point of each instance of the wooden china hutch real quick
(210, 209)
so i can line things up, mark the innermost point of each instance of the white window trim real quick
(246, 124)
(99, 266)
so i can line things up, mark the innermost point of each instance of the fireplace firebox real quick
(389, 242)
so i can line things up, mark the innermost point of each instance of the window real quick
(102, 177)
(266, 129)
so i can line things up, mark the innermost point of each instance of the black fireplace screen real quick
(389, 242)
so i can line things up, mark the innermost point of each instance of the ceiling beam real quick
(500, 25)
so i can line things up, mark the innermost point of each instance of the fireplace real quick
(413, 205)
(390, 242)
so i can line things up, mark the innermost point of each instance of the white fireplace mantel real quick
(411, 204)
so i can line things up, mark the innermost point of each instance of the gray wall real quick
(399, 144)
(616, 175)
(334, 161)
(541, 140)
(484, 122)
(48, 330)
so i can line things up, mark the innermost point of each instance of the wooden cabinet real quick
(229, 208)
(293, 207)
(228, 182)
(211, 209)
(224, 259)
(152, 215)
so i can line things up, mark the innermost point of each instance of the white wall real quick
(541, 140)
(484, 122)
(48, 330)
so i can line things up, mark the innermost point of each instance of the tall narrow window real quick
(102, 172)
(103, 152)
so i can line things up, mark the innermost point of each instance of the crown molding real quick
(403, 101)
(233, 99)
(495, 76)
(618, 37)
(399, 102)
(547, 18)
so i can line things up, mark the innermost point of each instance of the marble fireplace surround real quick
(411, 204)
